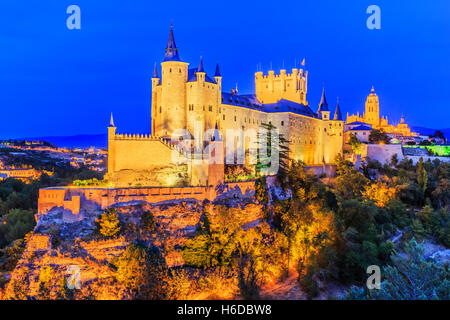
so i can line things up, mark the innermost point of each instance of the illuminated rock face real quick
(372, 117)
(187, 104)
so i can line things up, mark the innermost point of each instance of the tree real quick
(108, 223)
(379, 192)
(355, 144)
(378, 137)
(17, 224)
(261, 192)
(439, 134)
(409, 277)
(143, 270)
(279, 145)
(422, 177)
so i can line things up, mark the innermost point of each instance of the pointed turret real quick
(200, 65)
(111, 121)
(323, 105)
(337, 113)
(217, 73)
(155, 73)
(171, 48)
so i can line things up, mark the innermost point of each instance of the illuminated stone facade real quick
(372, 116)
(187, 103)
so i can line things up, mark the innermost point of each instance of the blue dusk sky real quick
(56, 81)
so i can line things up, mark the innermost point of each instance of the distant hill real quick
(429, 131)
(78, 141)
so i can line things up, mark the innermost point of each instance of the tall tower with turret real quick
(372, 113)
(169, 102)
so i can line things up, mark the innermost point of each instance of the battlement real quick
(146, 137)
(272, 87)
(272, 75)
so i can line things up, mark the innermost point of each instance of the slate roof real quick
(337, 113)
(361, 128)
(251, 102)
(358, 123)
(323, 105)
(171, 49)
(192, 76)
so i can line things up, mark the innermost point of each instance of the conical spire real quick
(171, 48)
(323, 105)
(200, 65)
(337, 113)
(155, 72)
(217, 74)
(111, 122)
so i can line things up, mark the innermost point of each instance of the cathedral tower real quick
(372, 114)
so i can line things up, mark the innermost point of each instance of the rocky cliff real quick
(64, 245)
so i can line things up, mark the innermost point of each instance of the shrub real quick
(148, 221)
(108, 223)
(143, 270)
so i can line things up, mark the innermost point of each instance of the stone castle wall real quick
(76, 199)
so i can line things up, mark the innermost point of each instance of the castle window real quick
(223, 117)
(324, 129)
(160, 110)
(179, 70)
(282, 123)
(203, 108)
(210, 108)
(170, 70)
(235, 118)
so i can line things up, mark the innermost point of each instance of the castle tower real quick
(272, 88)
(171, 105)
(323, 112)
(372, 113)
(111, 145)
(338, 113)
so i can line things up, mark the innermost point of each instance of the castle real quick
(372, 116)
(190, 112)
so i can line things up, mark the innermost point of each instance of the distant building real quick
(372, 116)
(361, 131)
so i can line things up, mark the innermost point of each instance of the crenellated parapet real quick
(272, 87)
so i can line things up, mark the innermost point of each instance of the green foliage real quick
(361, 241)
(350, 183)
(422, 177)
(261, 192)
(378, 136)
(88, 183)
(16, 225)
(409, 277)
(108, 223)
(355, 144)
(279, 145)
